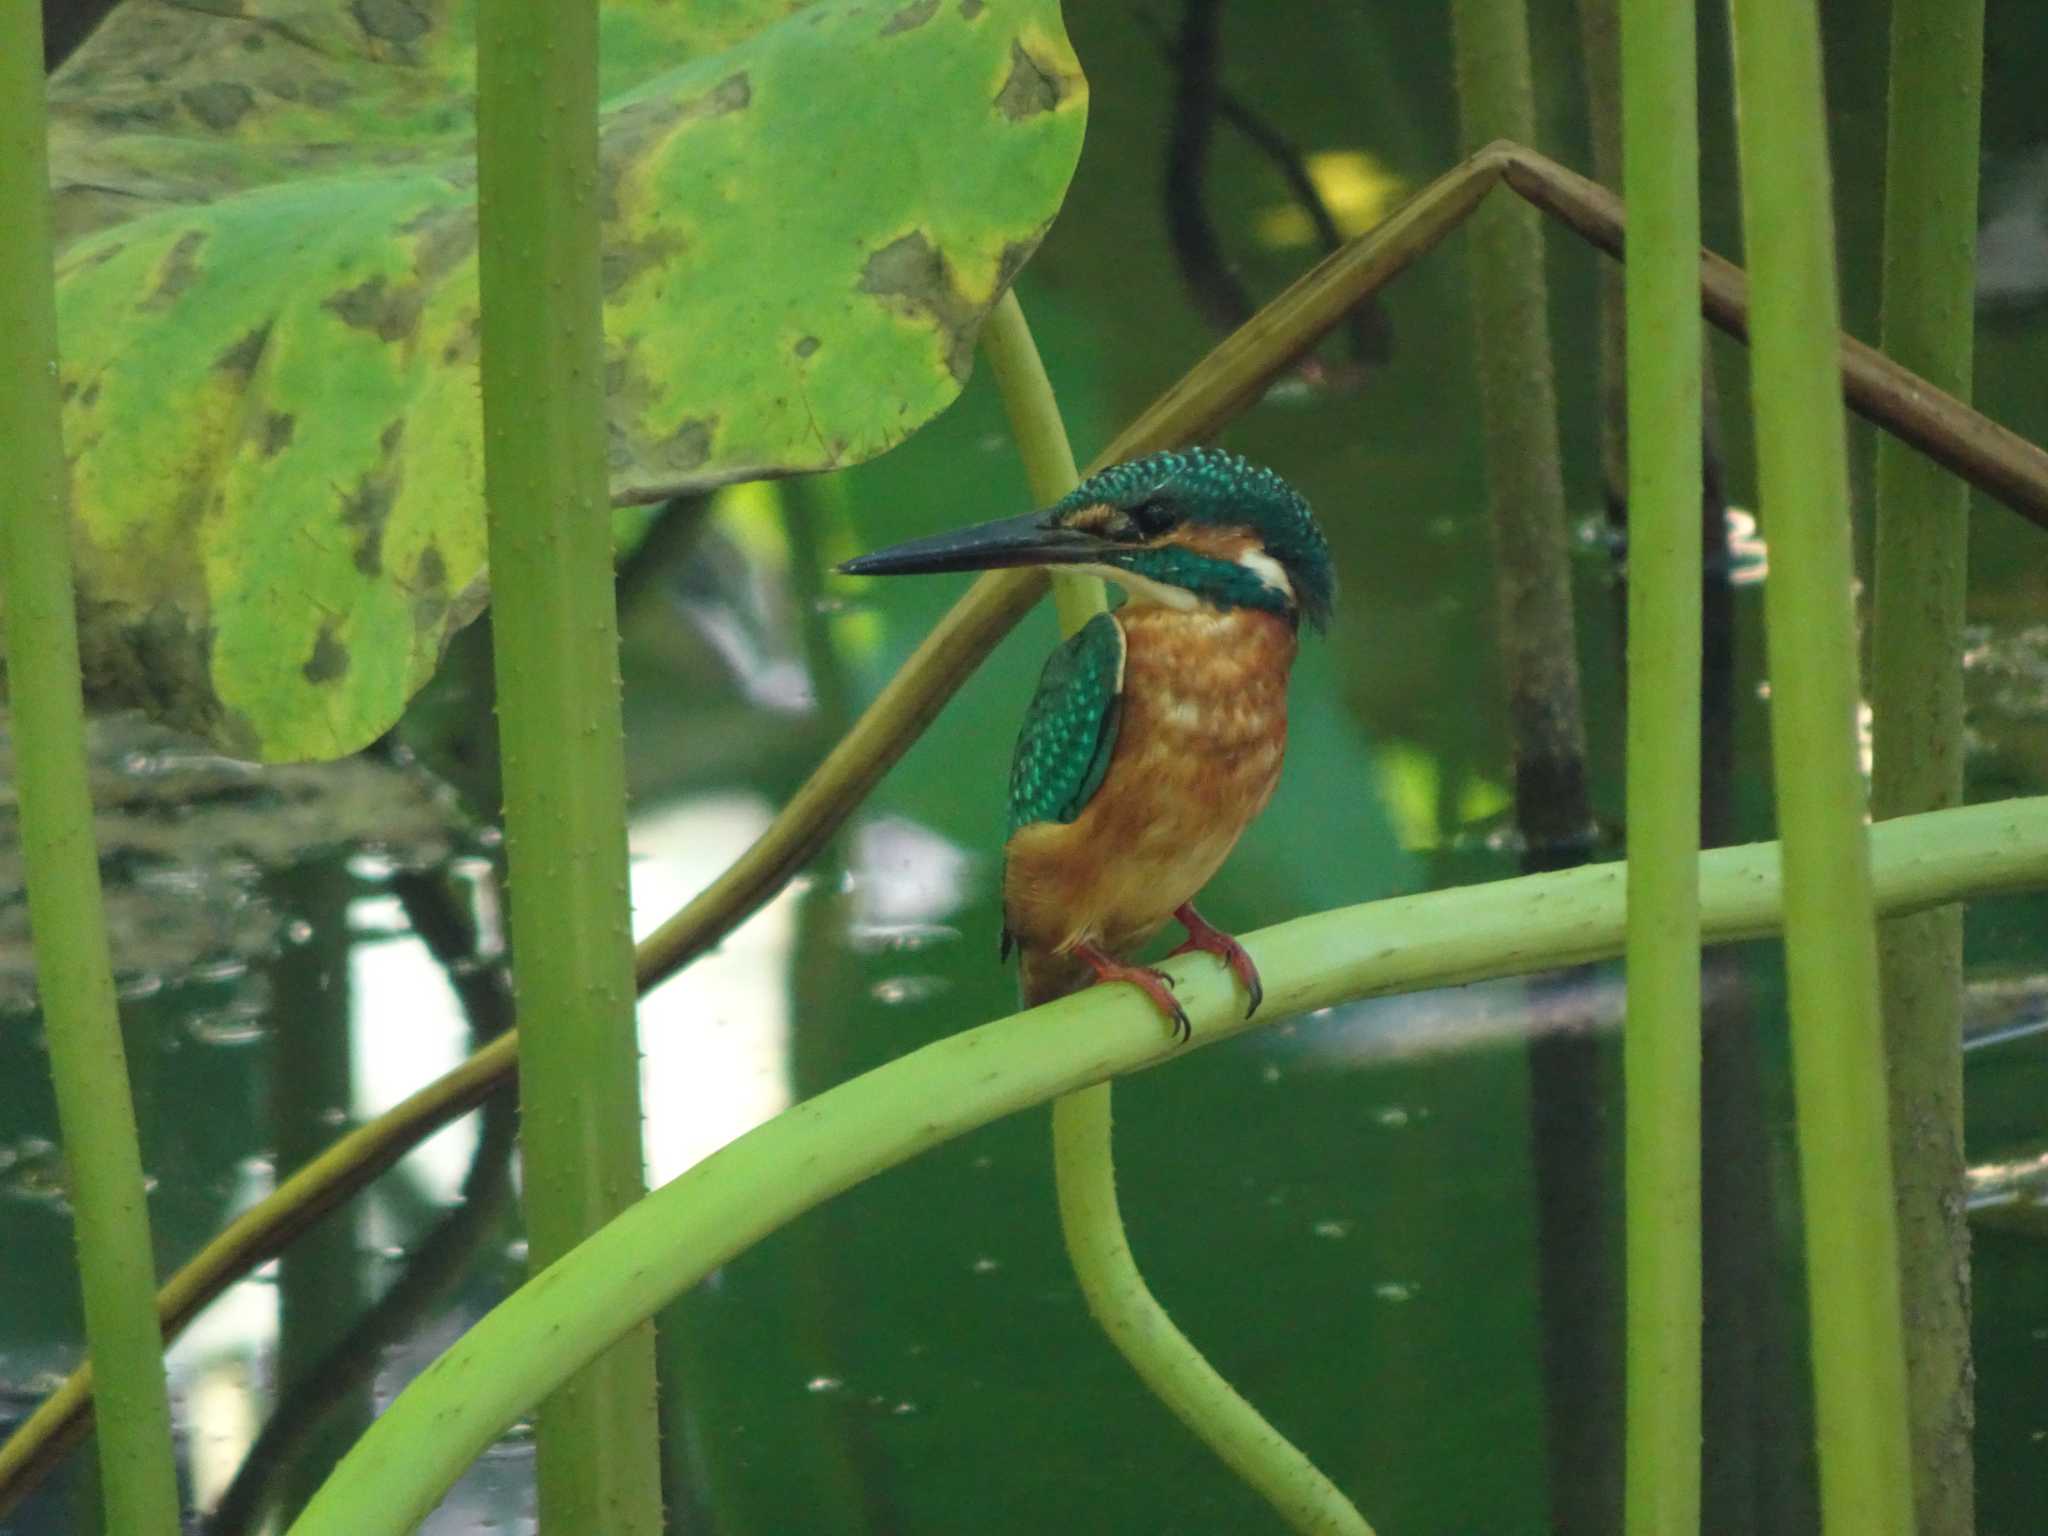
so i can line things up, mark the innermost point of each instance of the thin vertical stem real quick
(74, 974)
(1830, 934)
(555, 632)
(1041, 438)
(1570, 1143)
(1930, 248)
(1600, 59)
(1525, 485)
(1661, 1045)
(1743, 1329)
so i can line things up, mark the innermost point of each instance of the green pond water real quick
(1376, 1228)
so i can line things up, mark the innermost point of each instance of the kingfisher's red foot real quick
(1214, 941)
(1156, 985)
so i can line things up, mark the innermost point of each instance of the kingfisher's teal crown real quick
(1211, 487)
(1147, 520)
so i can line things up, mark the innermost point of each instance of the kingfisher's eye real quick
(1150, 518)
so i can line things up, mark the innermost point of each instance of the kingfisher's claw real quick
(1211, 940)
(1156, 985)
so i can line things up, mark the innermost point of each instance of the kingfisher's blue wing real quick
(1070, 729)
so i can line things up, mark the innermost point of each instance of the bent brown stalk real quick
(1231, 377)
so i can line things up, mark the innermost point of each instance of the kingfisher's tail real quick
(1043, 975)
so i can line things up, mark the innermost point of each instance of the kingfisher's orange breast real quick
(1197, 754)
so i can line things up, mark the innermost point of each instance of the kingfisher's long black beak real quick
(1026, 540)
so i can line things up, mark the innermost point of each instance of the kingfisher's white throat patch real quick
(1268, 570)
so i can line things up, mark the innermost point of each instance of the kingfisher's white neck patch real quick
(1268, 570)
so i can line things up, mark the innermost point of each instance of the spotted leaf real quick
(268, 303)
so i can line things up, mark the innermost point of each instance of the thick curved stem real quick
(562, 1317)
(1159, 1352)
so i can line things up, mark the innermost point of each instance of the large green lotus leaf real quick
(268, 303)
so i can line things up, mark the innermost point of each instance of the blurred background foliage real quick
(1338, 1210)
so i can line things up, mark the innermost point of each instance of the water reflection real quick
(714, 1042)
(1745, 557)
(906, 880)
(2012, 238)
(910, 989)
(222, 1372)
(406, 1029)
(1997, 1010)
(2011, 1189)
(186, 836)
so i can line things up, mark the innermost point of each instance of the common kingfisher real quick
(1157, 730)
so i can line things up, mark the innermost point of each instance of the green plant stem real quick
(1600, 59)
(1916, 654)
(1161, 1354)
(1830, 936)
(1041, 438)
(1737, 1334)
(555, 638)
(827, 1144)
(1534, 636)
(1661, 1043)
(1236, 372)
(1525, 482)
(1029, 404)
(1084, 1160)
(74, 974)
